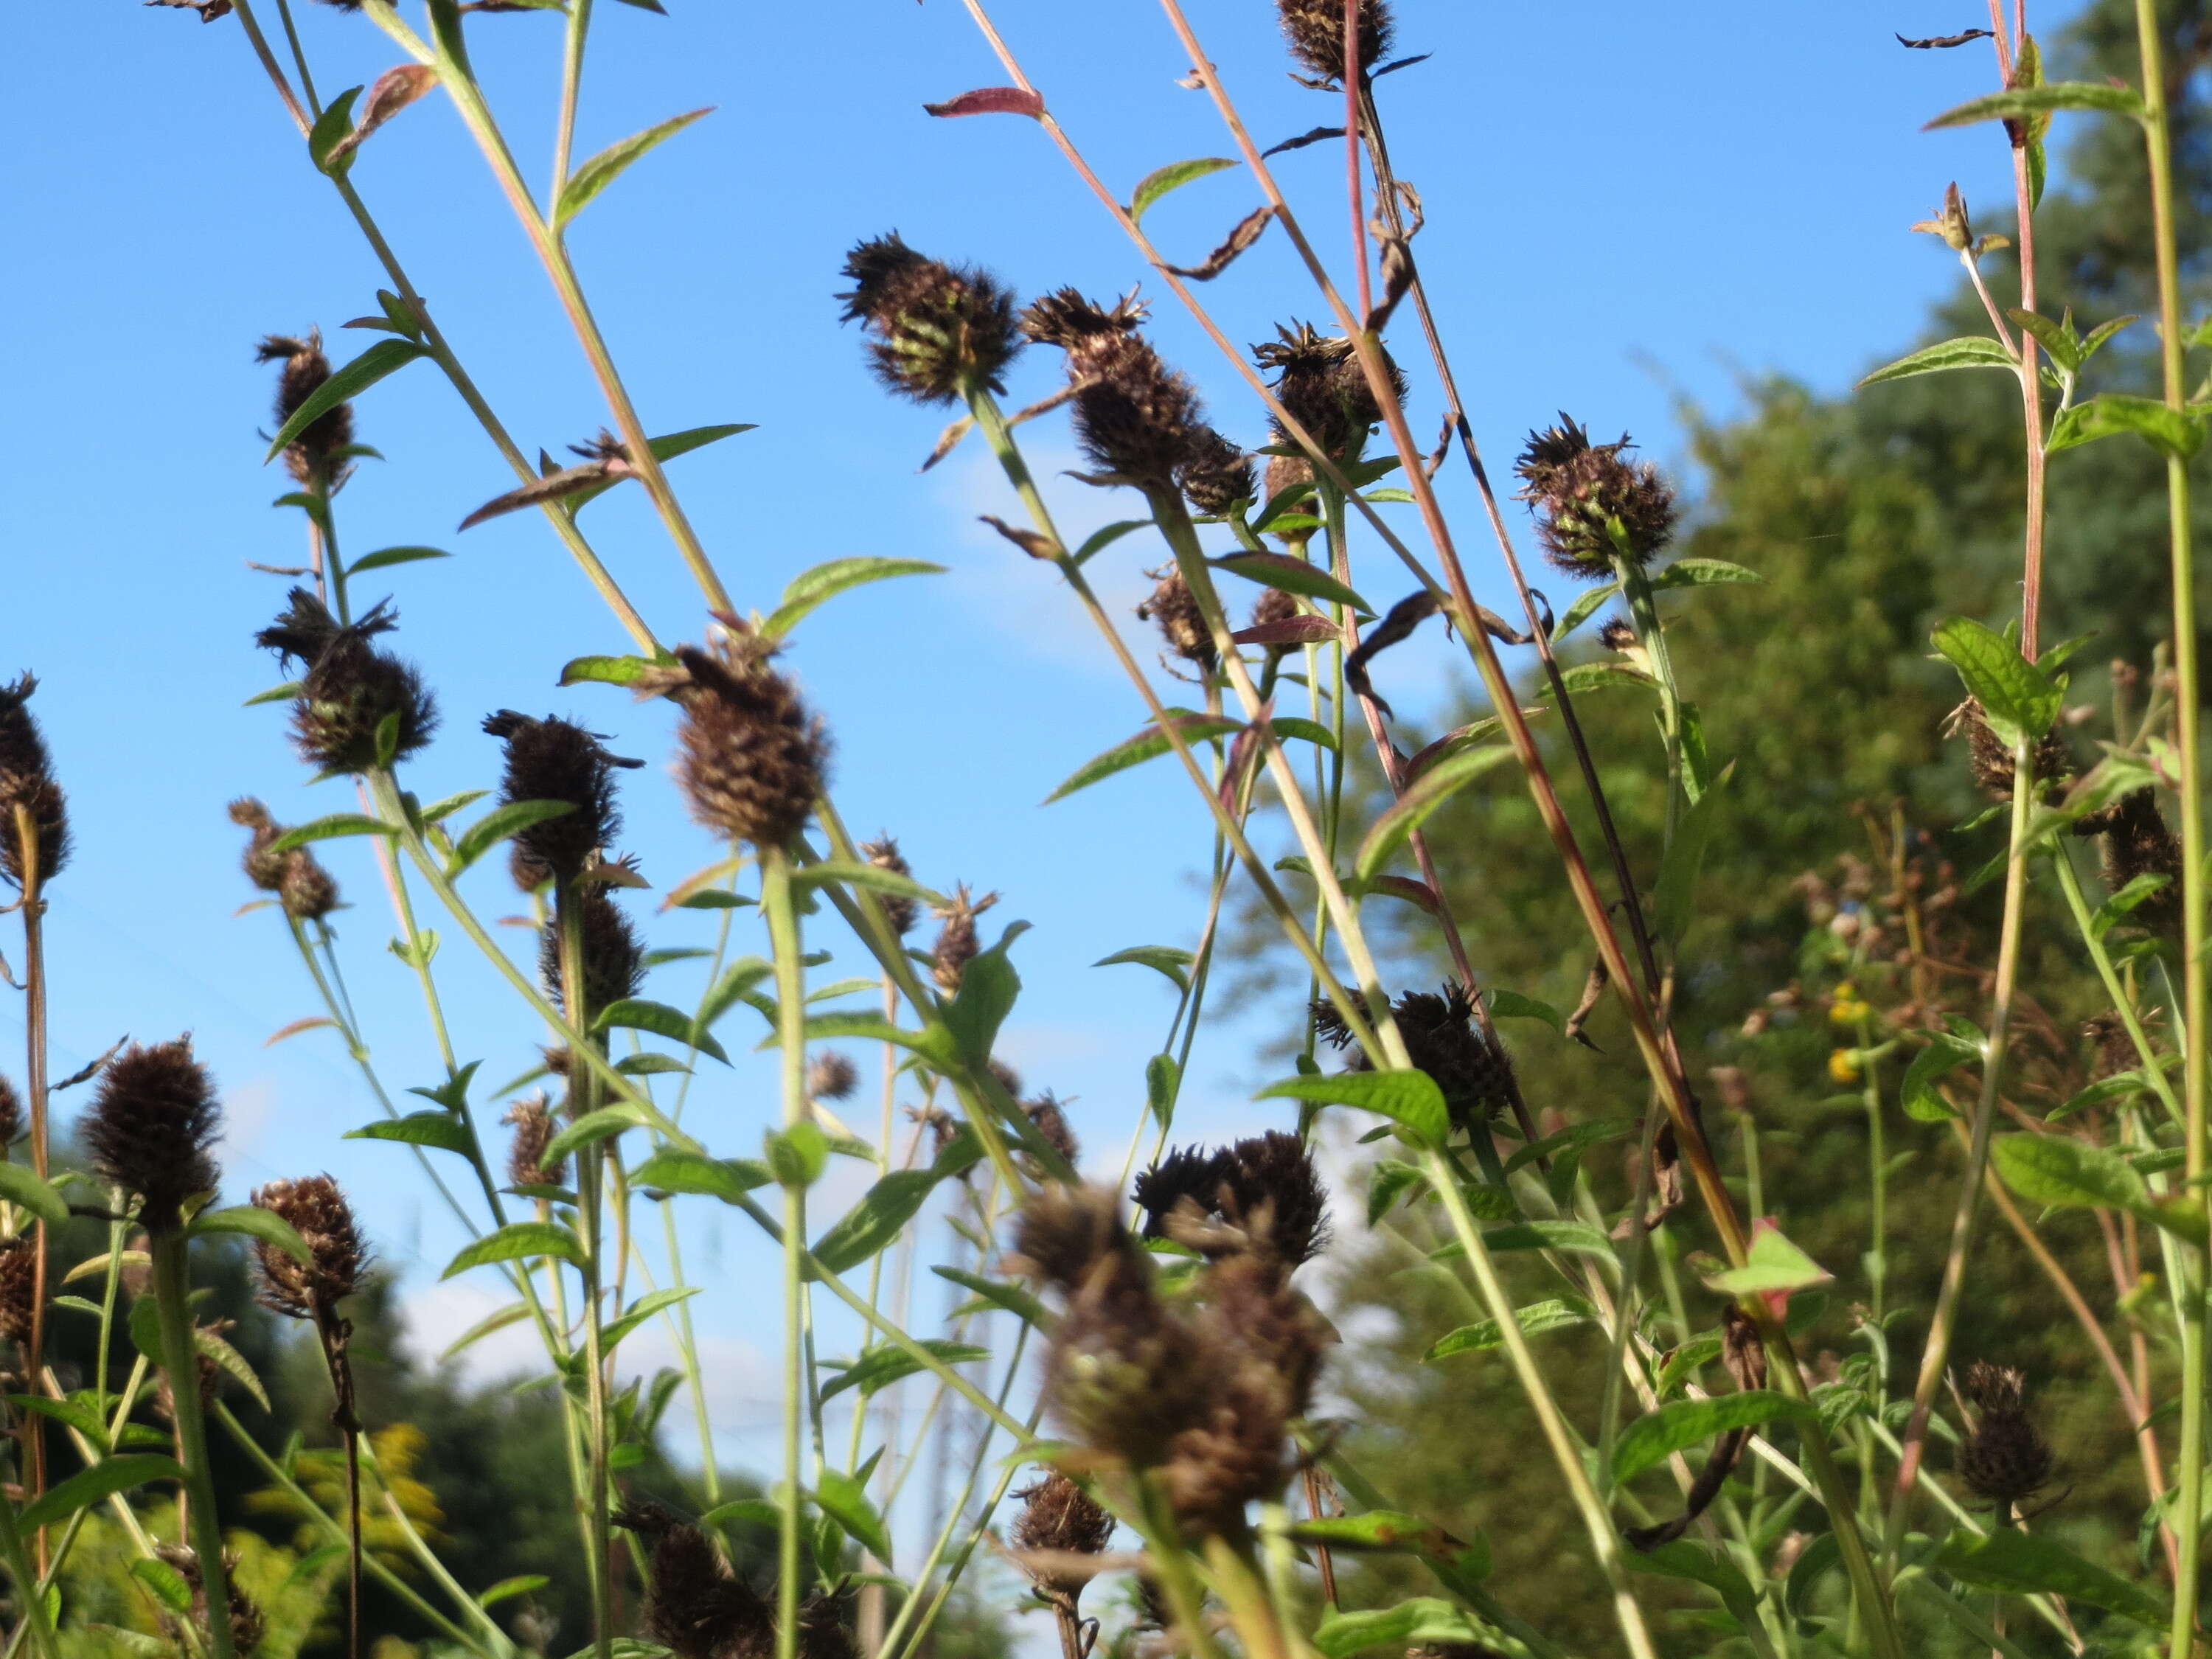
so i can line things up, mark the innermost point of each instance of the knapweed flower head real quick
(359, 707)
(751, 758)
(1261, 1194)
(1314, 29)
(313, 456)
(1473, 1071)
(2138, 842)
(18, 1287)
(614, 957)
(1174, 610)
(318, 1211)
(1318, 379)
(532, 1119)
(1591, 504)
(1989, 758)
(2003, 1458)
(831, 1076)
(557, 760)
(1057, 1526)
(934, 330)
(28, 794)
(303, 887)
(957, 944)
(901, 911)
(1138, 420)
(699, 1609)
(1216, 475)
(153, 1119)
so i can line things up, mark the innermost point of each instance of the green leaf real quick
(595, 175)
(1297, 727)
(518, 1241)
(1292, 575)
(2041, 101)
(1674, 903)
(636, 1014)
(2025, 1564)
(283, 693)
(344, 384)
(1654, 1437)
(1415, 1622)
(876, 1221)
(1158, 182)
(1162, 1083)
(166, 1583)
(879, 1368)
(845, 1501)
(796, 1157)
(2017, 697)
(1585, 606)
(1823, 1555)
(1387, 1182)
(263, 1226)
(452, 804)
(1705, 572)
(988, 986)
(1773, 1264)
(21, 1184)
(726, 1178)
(330, 127)
(2059, 1170)
(522, 1584)
(1386, 1530)
(329, 829)
(1165, 959)
(604, 671)
(1680, 1559)
(1146, 746)
(825, 581)
(1099, 540)
(1511, 1005)
(863, 875)
(513, 1313)
(1685, 1362)
(89, 1487)
(1410, 1099)
(496, 825)
(590, 1129)
(1427, 792)
(1971, 351)
(643, 1309)
(1944, 1055)
(1574, 1138)
(384, 556)
(1001, 1293)
(1533, 1320)
(754, 1511)
(1572, 1237)
(2175, 432)
(1598, 677)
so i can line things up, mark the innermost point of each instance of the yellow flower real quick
(1844, 1065)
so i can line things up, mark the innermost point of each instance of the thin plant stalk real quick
(783, 917)
(33, 905)
(167, 1248)
(30, 1597)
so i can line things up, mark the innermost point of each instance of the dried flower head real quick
(308, 892)
(832, 1076)
(936, 330)
(314, 457)
(898, 909)
(1173, 609)
(1050, 1121)
(614, 957)
(150, 1126)
(1615, 633)
(1216, 475)
(1318, 379)
(302, 886)
(752, 757)
(697, 1608)
(1315, 32)
(956, 945)
(1264, 1191)
(354, 698)
(1058, 1524)
(1091, 334)
(11, 1113)
(319, 1212)
(18, 1287)
(557, 760)
(1286, 473)
(2138, 843)
(1989, 758)
(1274, 604)
(247, 1625)
(1591, 504)
(532, 1119)
(27, 790)
(2003, 1458)
(1474, 1073)
(1136, 418)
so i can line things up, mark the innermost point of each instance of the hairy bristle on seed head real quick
(1319, 381)
(752, 759)
(1136, 418)
(29, 797)
(557, 760)
(935, 331)
(1592, 505)
(152, 1122)
(318, 1211)
(357, 703)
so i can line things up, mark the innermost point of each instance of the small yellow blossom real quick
(1844, 1065)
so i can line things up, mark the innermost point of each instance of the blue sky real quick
(1627, 206)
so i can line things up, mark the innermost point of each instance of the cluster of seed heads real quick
(302, 886)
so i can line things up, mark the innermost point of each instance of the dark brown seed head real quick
(532, 1119)
(312, 456)
(2003, 1458)
(1261, 1196)
(2115, 1049)
(832, 1076)
(1441, 1039)
(2138, 843)
(1318, 379)
(557, 760)
(1216, 475)
(1274, 606)
(351, 688)
(956, 945)
(1051, 1121)
(211, 1380)
(1285, 471)
(302, 886)
(27, 790)
(752, 757)
(1136, 418)
(1989, 758)
(247, 1625)
(150, 1126)
(1091, 334)
(698, 1609)
(1582, 493)
(1174, 610)
(264, 868)
(1314, 29)
(11, 1114)
(614, 959)
(898, 909)
(935, 331)
(1059, 1520)
(319, 1212)
(1614, 634)
(308, 893)
(18, 1287)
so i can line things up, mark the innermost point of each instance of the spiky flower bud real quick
(319, 1212)
(1989, 758)
(1058, 1523)
(936, 330)
(11, 1114)
(752, 757)
(831, 1076)
(1174, 610)
(557, 760)
(1591, 504)
(532, 1119)
(1315, 32)
(1318, 379)
(614, 957)
(302, 886)
(2138, 843)
(27, 790)
(1136, 418)
(2003, 1458)
(351, 688)
(1474, 1073)
(898, 909)
(18, 1287)
(956, 945)
(150, 1126)
(311, 456)
(1216, 475)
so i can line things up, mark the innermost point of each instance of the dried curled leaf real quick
(991, 101)
(1246, 232)
(391, 92)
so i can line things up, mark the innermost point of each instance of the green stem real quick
(784, 944)
(180, 1359)
(30, 1598)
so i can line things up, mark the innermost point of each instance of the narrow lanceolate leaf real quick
(872, 876)
(391, 555)
(1534, 1319)
(643, 1309)
(1429, 792)
(586, 183)
(496, 825)
(1378, 1529)
(1969, 351)
(327, 828)
(263, 1226)
(1158, 182)
(1147, 745)
(1003, 1293)
(990, 100)
(636, 1014)
(518, 1241)
(1416, 1622)
(1292, 575)
(845, 1501)
(330, 130)
(1773, 1265)
(604, 671)
(881, 1367)
(2175, 432)
(391, 92)
(19, 1184)
(1409, 1099)
(1944, 1055)
(2017, 697)
(590, 1129)
(2043, 100)
(2028, 1563)
(876, 1221)
(513, 1313)
(344, 384)
(1705, 572)
(103, 1479)
(522, 1584)
(666, 447)
(1164, 959)
(825, 581)
(726, 1178)
(1681, 1423)
(440, 1129)
(1674, 902)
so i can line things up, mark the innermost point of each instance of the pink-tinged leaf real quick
(1291, 630)
(298, 1026)
(1419, 893)
(391, 92)
(1244, 752)
(991, 101)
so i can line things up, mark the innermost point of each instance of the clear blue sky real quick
(1626, 205)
